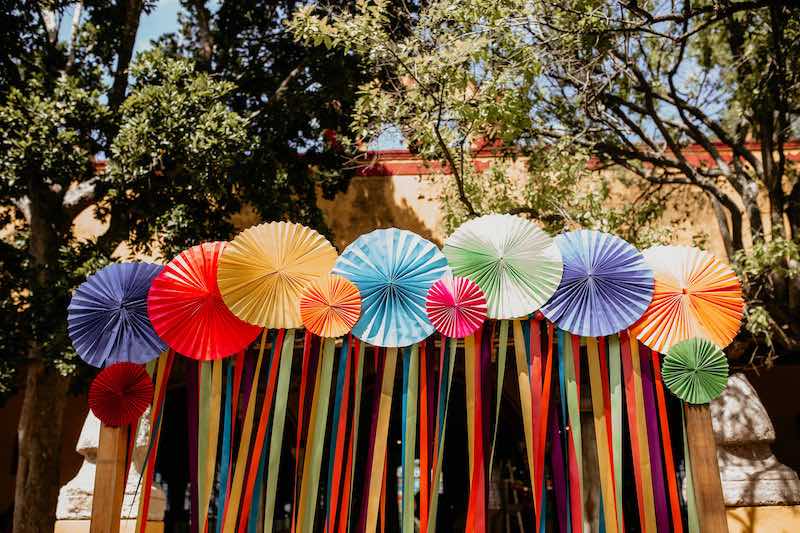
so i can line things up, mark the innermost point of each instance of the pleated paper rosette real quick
(393, 270)
(695, 295)
(514, 262)
(120, 394)
(695, 370)
(605, 287)
(456, 306)
(187, 310)
(330, 307)
(107, 316)
(265, 270)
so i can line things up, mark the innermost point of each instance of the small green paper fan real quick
(695, 370)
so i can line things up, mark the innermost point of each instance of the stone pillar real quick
(760, 492)
(74, 509)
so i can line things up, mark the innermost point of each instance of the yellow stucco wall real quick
(767, 519)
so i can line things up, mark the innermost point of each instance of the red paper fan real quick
(187, 310)
(120, 394)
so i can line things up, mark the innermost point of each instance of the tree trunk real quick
(39, 438)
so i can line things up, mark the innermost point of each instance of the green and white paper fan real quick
(695, 370)
(515, 263)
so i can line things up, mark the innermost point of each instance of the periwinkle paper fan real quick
(120, 394)
(393, 270)
(456, 306)
(107, 316)
(187, 310)
(514, 262)
(605, 287)
(330, 307)
(695, 370)
(266, 268)
(695, 295)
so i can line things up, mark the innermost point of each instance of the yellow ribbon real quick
(381, 434)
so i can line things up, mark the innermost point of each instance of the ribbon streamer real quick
(596, 379)
(638, 433)
(316, 438)
(255, 471)
(446, 365)
(476, 513)
(305, 372)
(408, 441)
(231, 510)
(163, 371)
(336, 461)
(502, 348)
(376, 476)
(425, 397)
(344, 522)
(669, 466)
(692, 518)
(571, 357)
(524, 381)
(615, 384)
(653, 440)
(278, 422)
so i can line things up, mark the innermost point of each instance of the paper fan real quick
(393, 270)
(695, 295)
(107, 316)
(516, 264)
(456, 306)
(266, 268)
(120, 394)
(605, 287)
(187, 310)
(695, 370)
(330, 306)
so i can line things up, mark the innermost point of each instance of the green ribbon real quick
(693, 520)
(278, 422)
(317, 425)
(615, 379)
(410, 396)
(204, 414)
(501, 372)
(573, 401)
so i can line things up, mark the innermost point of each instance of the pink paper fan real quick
(456, 306)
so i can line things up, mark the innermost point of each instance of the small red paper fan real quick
(120, 394)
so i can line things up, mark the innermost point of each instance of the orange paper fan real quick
(695, 295)
(330, 307)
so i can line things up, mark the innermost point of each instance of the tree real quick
(187, 144)
(630, 86)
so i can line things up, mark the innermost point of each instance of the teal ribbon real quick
(226, 444)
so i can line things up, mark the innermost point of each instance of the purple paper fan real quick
(107, 316)
(606, 285)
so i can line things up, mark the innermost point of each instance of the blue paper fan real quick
(393, 270)
(606, 285)
(107, 316)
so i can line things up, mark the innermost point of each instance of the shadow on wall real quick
(373, 202)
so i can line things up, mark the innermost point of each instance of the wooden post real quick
(705, 470)
(109, 479)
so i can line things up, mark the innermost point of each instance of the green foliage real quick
(173, 154)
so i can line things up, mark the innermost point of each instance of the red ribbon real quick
(630, 405)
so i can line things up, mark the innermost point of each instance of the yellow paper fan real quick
(265, 269)
(331, 306)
